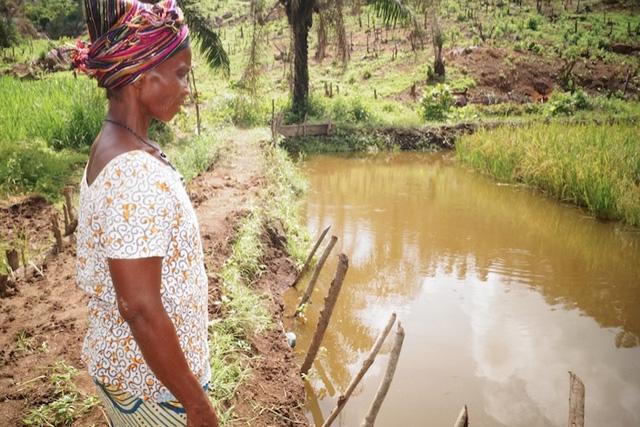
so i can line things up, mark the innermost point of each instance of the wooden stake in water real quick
(325, 314)
(463, 418)
(366, 364)
(307, 263)
(576, 401)
(370, 419)
(316, 274)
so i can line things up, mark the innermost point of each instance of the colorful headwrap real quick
(128, 38)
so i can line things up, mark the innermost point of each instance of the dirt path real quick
(45, 321)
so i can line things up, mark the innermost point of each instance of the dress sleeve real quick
(139, 213)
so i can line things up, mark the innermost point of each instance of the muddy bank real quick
(351, 139)
(44, 321)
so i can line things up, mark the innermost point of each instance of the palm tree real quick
(208, 41)
(392, 11)
(299, 16)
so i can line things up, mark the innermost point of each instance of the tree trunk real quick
(300, 21)
(321, 50)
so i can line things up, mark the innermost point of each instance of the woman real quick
(139, 253)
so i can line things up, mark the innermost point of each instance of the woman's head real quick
(137, 44)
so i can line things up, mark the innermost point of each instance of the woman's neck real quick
(129, 114)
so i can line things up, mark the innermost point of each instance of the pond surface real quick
(501, 292)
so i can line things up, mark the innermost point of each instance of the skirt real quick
(124, 410)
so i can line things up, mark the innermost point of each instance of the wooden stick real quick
(463, 418)
(69, 204)
(370, 419)
(342, 400)
(305, 267)
(325, 314)
(576, 401)
(13, 259)
(56, 232)
(316, 274)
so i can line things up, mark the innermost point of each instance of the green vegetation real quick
(65, 402)
(597, 167)
(62, 111)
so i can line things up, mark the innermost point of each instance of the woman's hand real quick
(201, 415)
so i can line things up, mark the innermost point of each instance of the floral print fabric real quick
(137, 207)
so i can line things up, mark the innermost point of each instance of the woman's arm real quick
(137, 286)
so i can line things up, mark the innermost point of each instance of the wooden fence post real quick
(325, 315)
(366, 364)
(305, 267)
(576, 401)
(316, 273)
(463, 418)
(370, 419)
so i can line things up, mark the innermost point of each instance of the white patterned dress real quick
(137, 207)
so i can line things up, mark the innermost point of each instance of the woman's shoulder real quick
(132, 169)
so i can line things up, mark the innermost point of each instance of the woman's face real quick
(163, 90)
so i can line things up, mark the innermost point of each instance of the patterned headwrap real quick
(128, 38)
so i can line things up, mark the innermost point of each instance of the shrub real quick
(436, 104)
(533, 24)
(57, 18)
(567, 103)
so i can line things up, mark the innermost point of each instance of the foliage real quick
(8, 32)
(594, 166)
(436, 104)
(208, 41)
(63, 111)
(195, 155)
(567, 103)
(56, 18)
(66, 402)
(33, 167)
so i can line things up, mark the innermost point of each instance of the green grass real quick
(66, 403)
(594, 166)
(63, 111)
(192, 156)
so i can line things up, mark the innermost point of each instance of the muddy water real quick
(500, 290)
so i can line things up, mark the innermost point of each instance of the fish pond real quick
(501, 292)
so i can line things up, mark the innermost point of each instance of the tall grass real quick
(46, 127)
(64, 111)
(594, 166)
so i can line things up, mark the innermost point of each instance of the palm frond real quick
(206, 38)
(392, 11)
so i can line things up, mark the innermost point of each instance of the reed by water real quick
(594, 166)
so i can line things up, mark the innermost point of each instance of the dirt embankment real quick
(44, 322)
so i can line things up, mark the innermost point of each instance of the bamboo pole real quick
(316, 273)
(366, 364)
(576, 401)
(305, 267)
(325, 314)
(463, 418)
(370, 419)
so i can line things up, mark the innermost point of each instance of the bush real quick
(533, 24)
(567, 103)
(435, 105)
(246, 111)
(8, 32)
(56, 18)
(352, 111)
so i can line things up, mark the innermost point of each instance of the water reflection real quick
(501, 291)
